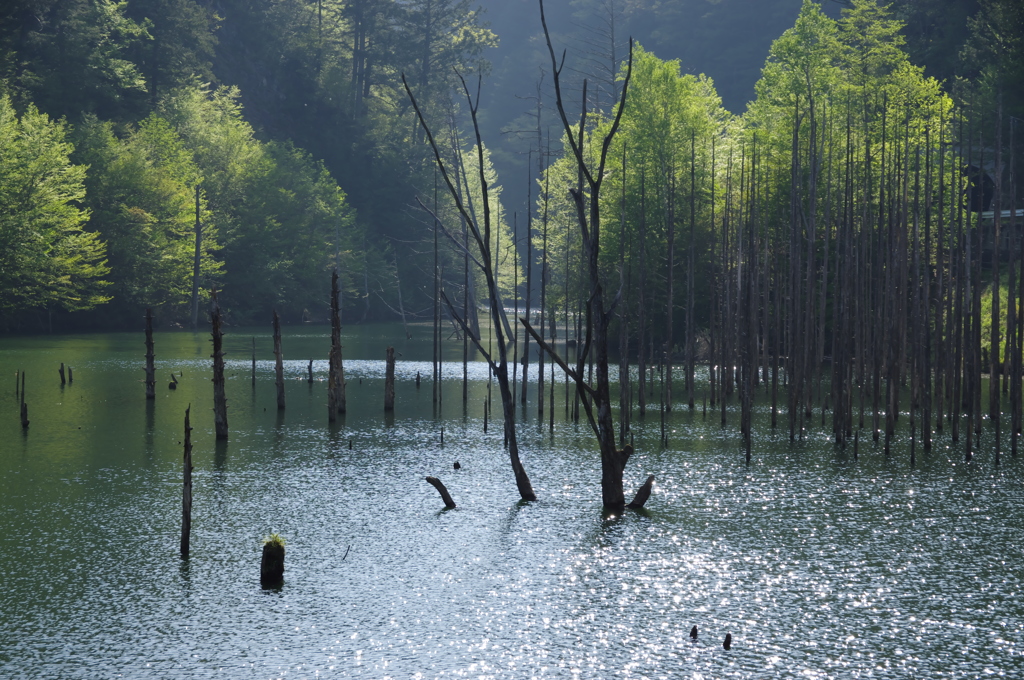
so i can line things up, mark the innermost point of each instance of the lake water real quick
(818, 565)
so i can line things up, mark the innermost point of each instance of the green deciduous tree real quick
(47, 260)
(141, 192)
(281, 218)
(75, 56)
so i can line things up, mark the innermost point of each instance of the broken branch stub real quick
(642, 494)
(445, 496)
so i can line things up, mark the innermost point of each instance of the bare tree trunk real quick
(336, 370)
(220, 407)
(150, 369)
(670, 292)
(995, 357)
(690, 330)
(186, 489)
(642, 303)
(597, 399)
(278, 363)
(486, 262)
(197, 260)
(389, 380)
(529, 292)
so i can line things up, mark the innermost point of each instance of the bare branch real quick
(461, 323)
(587, 392)
(557, 68)
(447, 233)
(440, 163)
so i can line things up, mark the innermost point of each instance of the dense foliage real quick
(284, 130)
(243, 122)
(846, 226)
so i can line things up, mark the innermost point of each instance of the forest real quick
(856, 224)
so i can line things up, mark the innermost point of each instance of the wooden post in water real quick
(278, 363)
(389, 381)
(220, 402)
(309, 370)
(186, 489)
(150, 356)
(445, 496)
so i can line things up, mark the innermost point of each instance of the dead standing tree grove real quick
(484, 260)
(596, 397)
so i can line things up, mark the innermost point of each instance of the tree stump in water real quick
(220, 402)
(445, 496)
(389, 381)
(336, 370)
(278, 363)
(61, 371)
(272, 562)
(24, 406)
(150, 369)
(186, 488)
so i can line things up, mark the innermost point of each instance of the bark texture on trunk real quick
(220, 402)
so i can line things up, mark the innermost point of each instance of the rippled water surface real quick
(819, 565)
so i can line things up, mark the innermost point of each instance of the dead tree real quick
(484, 260)
(596, 397)
(220, 402)
(278, 363)
(336, 370)
(389, 380)
(186, 488)
(150, 370)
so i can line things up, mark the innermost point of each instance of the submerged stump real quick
(272, 562)
(150, 368)
(336, 370)
(24, 406)
(278, 363)
(389, 381)
(186, 488)
(220, 402)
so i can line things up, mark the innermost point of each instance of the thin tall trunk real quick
(278, 363)
(196, 262)
(220, 402)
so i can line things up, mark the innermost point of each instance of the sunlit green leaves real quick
(47, 260)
